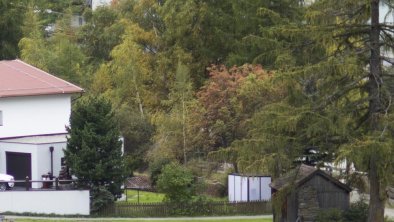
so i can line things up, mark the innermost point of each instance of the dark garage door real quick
(18, 165)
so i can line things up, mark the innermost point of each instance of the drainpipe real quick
(51, 150)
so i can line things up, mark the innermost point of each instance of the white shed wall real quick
(265, 188)
(254, 188)
(244, 189)
(248, 188)
(238, 189)
(70, 202)
(231, 188)
(35, 115)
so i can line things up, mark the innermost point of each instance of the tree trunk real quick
(376, 204)
(140, 103)
(184, 129)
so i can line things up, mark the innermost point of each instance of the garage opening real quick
(18, 165)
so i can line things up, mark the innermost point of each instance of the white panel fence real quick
(248, 188)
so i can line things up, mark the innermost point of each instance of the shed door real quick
(18, 165)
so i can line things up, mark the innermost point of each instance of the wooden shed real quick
(306, 190)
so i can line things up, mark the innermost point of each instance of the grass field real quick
(151, 197)
(136, 220)
(144, 197)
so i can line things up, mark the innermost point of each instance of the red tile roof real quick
(18, 78)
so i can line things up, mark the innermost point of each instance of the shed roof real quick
(18, 78)
(301, 174)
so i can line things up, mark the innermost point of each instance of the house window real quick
(1, 118)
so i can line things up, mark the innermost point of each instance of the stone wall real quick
(308, 204)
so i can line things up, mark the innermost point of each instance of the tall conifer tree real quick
(93, 151)
(339, 97)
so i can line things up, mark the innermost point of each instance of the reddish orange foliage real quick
(223, 84)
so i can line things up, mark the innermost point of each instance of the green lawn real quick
(144, 197)
(151, 197)
(131, 220)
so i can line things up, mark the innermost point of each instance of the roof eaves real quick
(68, 83)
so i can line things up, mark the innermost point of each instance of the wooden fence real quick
(187, 209)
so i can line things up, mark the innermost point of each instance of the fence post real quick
(27, 185)
(57, 183)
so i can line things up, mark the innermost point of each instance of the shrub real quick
(199, 205)
(155, 169)
(100, 197)
(177, 183)
(329, 215)
(358, 212)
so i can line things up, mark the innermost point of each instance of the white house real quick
(35, 108)
(98, 3)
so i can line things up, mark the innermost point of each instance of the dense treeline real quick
(252, 83)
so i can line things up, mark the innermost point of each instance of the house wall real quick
(19, 148)
(77, 21)
(34, 115)
(44, 158)
(98, 3)
(70, 202)
(40, 158)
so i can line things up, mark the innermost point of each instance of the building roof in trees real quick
(138, 182)
(301, 174)
(18, 78)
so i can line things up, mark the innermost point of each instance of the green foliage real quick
(101, 198)
(330, 215)
(32, 45)
(100, 34)
(137, 132)
(177, 183)
(333, 101)
(94, 148)
(150, 58)
(358, 212)
(156, 168)
(59, 54)
(173, 138)
(11, 20)
(199, 204)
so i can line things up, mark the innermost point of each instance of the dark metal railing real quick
(46, 183)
